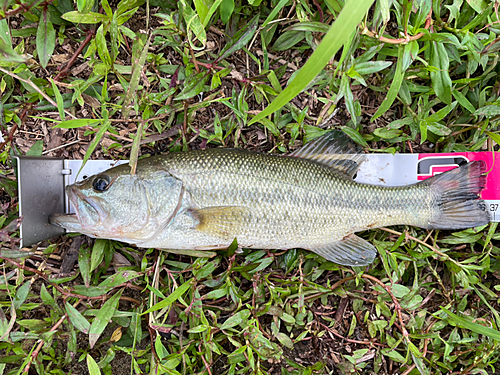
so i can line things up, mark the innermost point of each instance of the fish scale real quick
(205, 199)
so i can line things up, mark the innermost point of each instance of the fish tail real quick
(456, 203)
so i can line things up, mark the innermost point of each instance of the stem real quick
(407, 39)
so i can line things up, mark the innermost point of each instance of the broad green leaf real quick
(84, 5)
(393, 354)
(91, 291)
(134, 153)
(494, 136)
(215, 294)
(202, 7)
(287, 318)
(15, 359)
(125, 16)
(192, 253)
(195, 29)
(419, 363)
(488, 110)
(439, 115)
(107, 9)
(89, 18)
(238, 355)
(59, 100)
(15, 254)
(206, 270)
(271, 126)
(193, 86)
(315, 27)
(77, 319)
(36, 149)
(288, 39)
(21, 294)
(8, 56)
(102, 47)
(387, 133)
(285, 340)
(84, 264)
(5, 325)
(48, 299)
(100, 246)
(478, 5)
(370, 67)
(464, 102)
(92, 366)
(345, 91)
(211, 12)
(226, 10)
(438, 129)
(120, 277)
(236, 319)
(198, 329)
(461, 240)
(341, 30)
(441, 81)
(45, 39)
(355, 136)
(399, 290)
(102, 318)
(5, 33)
(78, 123)
(172, 297)
(240, 39)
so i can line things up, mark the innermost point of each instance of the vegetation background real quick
(127, 79)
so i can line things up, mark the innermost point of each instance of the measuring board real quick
(41, 182)
(406, 169)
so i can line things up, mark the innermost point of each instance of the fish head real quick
(118, 205)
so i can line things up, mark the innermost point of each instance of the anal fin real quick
(351, 251)
(224, 222)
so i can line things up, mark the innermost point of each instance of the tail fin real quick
(457, 200)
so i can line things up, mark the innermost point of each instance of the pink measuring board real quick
(491, 193)
(404, 169)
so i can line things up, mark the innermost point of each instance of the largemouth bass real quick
(205, 199)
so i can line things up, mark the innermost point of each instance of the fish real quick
(205, 199)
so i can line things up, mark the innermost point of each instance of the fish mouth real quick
(70, 222)
(88, 212)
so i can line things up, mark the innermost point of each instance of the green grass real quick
(158, 76)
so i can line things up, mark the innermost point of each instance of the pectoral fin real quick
(225, 222)
(351, 251)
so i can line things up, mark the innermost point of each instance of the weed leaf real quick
(347, 21)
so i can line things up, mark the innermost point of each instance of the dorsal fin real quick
(335, 150)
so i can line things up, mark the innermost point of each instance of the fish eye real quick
(100, 183)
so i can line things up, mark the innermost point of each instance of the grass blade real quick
(340, 32)
(395, 86)
(134, 81)
(103, 317)
(474, 327)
